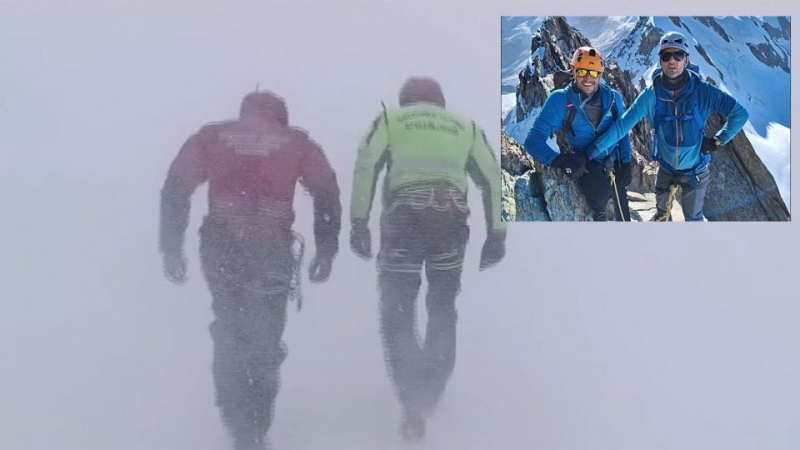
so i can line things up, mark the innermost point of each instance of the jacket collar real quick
(686, 91)
(575, 96)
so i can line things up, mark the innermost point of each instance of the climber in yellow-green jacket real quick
(429, 153)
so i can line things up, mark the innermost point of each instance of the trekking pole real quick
(616, 193)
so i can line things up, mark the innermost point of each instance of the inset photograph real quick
(642, 118)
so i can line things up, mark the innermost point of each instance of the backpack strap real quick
(704, 159)
(656, 120)
(686, 116)
(614, 117)
(566, 125)
(696, 112)
(614, 113)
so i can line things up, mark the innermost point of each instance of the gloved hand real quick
(320, 269)
(494, 249)
(608, 165)
(175, 267)
(624, 174)
(360, 238)
(572, 165)
(710, 145)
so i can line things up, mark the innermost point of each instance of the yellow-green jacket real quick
(424, 143)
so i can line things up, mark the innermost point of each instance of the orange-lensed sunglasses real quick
(583, 72)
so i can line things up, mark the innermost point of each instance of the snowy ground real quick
(562, 347)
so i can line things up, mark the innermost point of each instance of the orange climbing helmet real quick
(588, 58)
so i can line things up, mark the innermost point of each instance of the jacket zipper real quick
(676, 135)
(579, 106)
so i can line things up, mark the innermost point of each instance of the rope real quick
(673, 189)
(616, 193)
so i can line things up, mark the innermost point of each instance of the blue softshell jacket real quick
(551, 119)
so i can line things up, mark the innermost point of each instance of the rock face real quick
(551, 51)
(635, 49)
(705, 56)
(560, 41)
(786, 28)
(643, 207)
(714, 25)
(741, 189)
(534, 192)
(562, 197)
(767, 55)
(532, 91)
(517, 167)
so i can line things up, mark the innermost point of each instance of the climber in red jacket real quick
(249, 253)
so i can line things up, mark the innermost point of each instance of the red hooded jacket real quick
(252, 166)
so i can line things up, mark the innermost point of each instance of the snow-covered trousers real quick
(250, 281)
(413, 238)
(693, 192)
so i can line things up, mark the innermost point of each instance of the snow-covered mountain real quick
(740, 53)
(604, 32)
(749, 57)
(516, 47)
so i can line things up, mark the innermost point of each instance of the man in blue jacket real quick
(583, 110)
(677, 105)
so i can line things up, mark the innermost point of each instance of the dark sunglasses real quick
(583, 72)
(679, 55)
